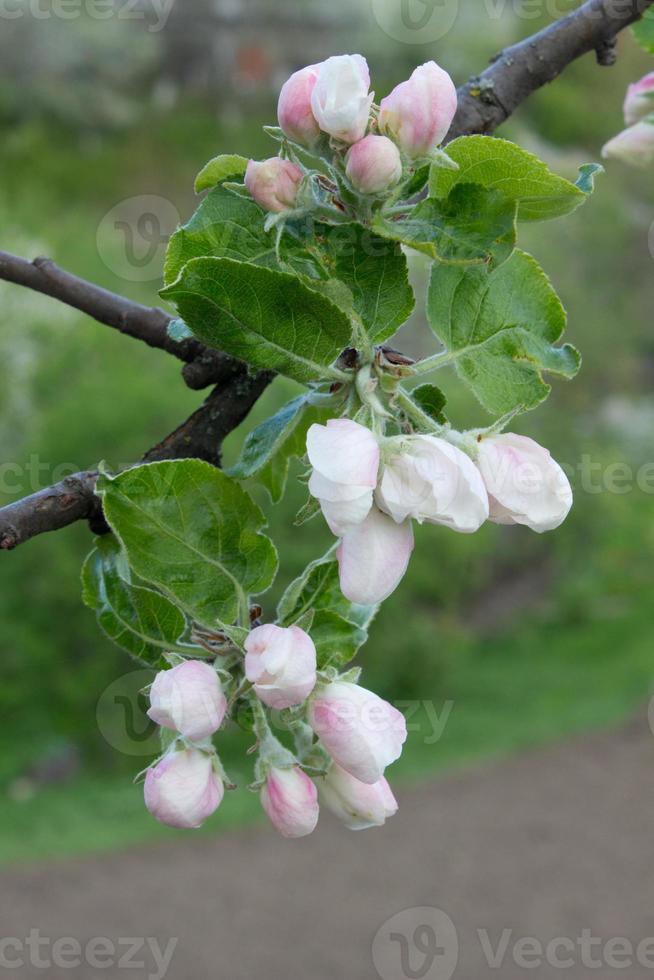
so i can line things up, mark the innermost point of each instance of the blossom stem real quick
(413, 412)
(436, 361)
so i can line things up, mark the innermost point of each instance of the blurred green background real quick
(511, 637)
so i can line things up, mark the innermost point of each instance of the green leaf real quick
(644, 31)
(336, 639)
(225, 225)
(224, 167)
(193, 533)
(269, 447)
(415, 182)
(471, 226)
(498, 327)
(339, 627)
(360, 271)
(269, 319)
(308, 510)
(375, 272)
(141, 621)
(506, 167)
(431, 400)
(318, 588)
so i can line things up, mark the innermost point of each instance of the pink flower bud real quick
(183, 789)
(634, 146)
(290, 799)
(525, 485)
(373, 557)
(274, 183)
(359, 805)
(345, 460)
(340, 101)
(189, 699)
(373, 164)
(419, 112)
(431, 480)
(639, 101)
(294, 111)
(362, 733)
(281, 663)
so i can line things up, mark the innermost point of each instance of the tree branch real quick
(73, 499)
(203, 366)
(487, 100)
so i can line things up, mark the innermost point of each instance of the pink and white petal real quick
(346, 514)
(373, 558)
(344, 451)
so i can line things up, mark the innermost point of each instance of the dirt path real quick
(549, 844)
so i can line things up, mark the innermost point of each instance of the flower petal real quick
(373, 558)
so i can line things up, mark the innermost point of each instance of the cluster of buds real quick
(371, 488)
(328, 109)
(353, 736)
(635, 144)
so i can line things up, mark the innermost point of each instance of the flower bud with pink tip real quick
(274, 183)
(361, 732)
(634, 146)
(290, 800)
(429, 479)
(639, 101)
(183, 788)
(373, 164)
(339, 100)
(358, 805)
(525, 485)
(419, 112)
(345, 460)
(294, 112)
(188, 699)
(281, 664)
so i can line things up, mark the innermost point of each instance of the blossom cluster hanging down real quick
(297, 264)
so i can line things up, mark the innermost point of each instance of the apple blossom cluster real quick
(328, 107)
(179, 581)
(358, 734)
(635, 144)
(371, 489)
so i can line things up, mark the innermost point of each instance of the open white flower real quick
(429, 479)
(345, 460)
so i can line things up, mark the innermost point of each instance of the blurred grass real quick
(527, 637)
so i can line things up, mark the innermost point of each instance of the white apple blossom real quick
(525, 485)
(429, 479)
(339, 99)
(361, 732)
(345, 460)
